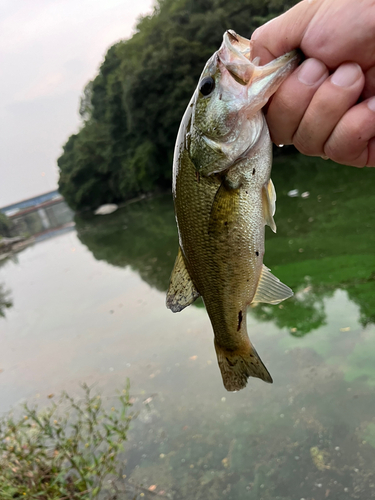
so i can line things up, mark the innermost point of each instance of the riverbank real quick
(9, 246)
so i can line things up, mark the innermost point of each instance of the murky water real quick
(89, 305)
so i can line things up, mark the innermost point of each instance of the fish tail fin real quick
(237, 366)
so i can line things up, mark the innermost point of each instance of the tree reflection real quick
(324, 242)
(142, 235)
(302, 314)
(5, 300)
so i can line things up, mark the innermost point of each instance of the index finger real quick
(284, 33)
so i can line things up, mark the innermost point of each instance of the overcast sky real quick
(49, 50)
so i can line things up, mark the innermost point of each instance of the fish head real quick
(226, 119)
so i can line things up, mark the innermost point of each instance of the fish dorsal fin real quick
(181, 292)
(270, 289)
(269, 204)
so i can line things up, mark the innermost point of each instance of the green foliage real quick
(5, 225)
(67, 450)
(132, 109)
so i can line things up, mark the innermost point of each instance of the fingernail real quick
(311, 71)
(371, 104)
(346, 75)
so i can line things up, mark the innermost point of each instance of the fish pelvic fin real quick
(181, 292)
(269, 204)
(237, 366)
(270, 289)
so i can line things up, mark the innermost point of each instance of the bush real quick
(66, 451)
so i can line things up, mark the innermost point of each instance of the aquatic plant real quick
(65, 451)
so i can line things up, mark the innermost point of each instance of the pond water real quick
(89, 306)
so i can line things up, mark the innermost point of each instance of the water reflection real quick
(85, 312)
(5, 300)
(142, 235)
(324, 242)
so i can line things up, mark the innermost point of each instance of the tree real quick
(133, 107)
(5, 225)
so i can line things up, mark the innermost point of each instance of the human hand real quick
(316, 112)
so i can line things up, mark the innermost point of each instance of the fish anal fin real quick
(181, 292)
(270, 289)
(224, 210)
(237, 366)
(269, 204)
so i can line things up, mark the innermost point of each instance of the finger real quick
(290, 102)
(352, 141)
(330, 102)
(333, 31)
(284, 33)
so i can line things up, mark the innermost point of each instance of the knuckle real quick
(305, 145)
(346, 144)
(332, 150)
(340, 153)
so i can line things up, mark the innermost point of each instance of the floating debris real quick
(293, 193)
(107, 209)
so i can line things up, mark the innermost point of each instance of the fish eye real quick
(206, 86)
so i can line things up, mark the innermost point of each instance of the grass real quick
(67, 451)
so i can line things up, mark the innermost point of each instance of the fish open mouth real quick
(236, 55)
(238, 43)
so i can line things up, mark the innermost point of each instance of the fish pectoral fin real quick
(224, 210)
(181, 292)
(237, 366)
(269, 204)
(270, 289)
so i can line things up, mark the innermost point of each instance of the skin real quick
(327, 106)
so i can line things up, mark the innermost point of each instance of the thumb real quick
(284, 33)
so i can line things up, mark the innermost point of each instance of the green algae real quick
(369, 434)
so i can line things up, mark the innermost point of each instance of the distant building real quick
(39, 215)
(10, 210)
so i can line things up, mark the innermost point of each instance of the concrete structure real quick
(9, 210)
(39, 215)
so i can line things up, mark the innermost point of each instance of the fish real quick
(223, 198)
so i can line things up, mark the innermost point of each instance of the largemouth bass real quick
(223, 197)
